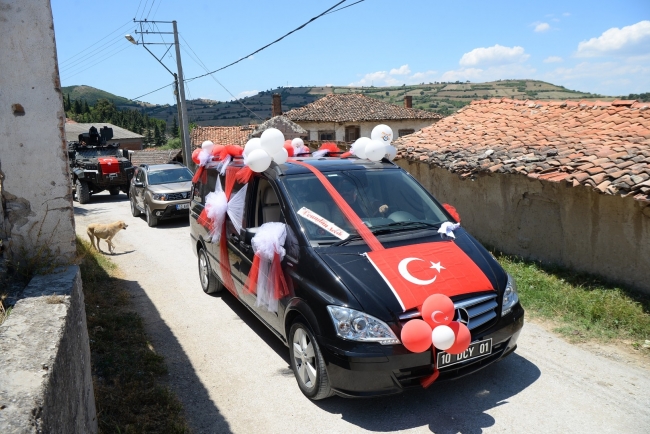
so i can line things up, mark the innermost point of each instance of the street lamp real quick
(179, 85)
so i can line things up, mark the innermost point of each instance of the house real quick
(561, 182)
(127, 139)
(237, 135)
(346, 117)
(290, 130)
(155, 156)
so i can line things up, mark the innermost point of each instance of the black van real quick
(342, 319)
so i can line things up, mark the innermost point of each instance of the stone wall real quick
(46, 384)
(36, 191)
(575, 227)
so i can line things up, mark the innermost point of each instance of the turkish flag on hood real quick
(414, 272)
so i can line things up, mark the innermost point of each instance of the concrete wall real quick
(45, 381)
(365, 127)
(576, 227)
(36, 191)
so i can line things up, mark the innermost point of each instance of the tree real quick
(174, 131)
(76, 107)
(148, 139)
(86, 109)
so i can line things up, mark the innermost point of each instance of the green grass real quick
(126, 370)
(583, 306)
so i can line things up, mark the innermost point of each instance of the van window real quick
(267, 205)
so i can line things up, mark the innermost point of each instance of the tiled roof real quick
(154, 156)
(354, 107)
(73, 129)
(221, 135)
(280, 122)
(605, 145)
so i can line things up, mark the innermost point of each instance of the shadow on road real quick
(457, 406)
(196, 400)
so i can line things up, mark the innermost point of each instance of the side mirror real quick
(249, 233)
(138, 184)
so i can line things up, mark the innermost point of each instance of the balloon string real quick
(428, 381)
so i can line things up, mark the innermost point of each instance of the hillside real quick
(443, 98)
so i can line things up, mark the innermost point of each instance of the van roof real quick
(325, 164)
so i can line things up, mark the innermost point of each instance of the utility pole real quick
(179, 85)
(187, 145)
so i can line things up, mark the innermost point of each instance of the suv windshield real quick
(98, 152)
(385, 200)
(169, 176)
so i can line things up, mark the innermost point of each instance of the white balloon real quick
(297, 143)
(207, 145)
(391, 152)
(443, 337)
(382, 132)
(272, 140)
(281, 157)
(359, 147)
(252, 144)
(258, 160)
(375, 150)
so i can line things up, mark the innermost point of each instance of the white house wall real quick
(365, 127)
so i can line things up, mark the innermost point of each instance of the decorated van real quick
(373, 285)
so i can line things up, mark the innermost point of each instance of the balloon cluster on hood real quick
(377, 146)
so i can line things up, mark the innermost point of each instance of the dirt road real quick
(232, 374)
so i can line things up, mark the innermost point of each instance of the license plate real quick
(476, 349)
(183, 206)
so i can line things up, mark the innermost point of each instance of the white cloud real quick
(627, 40)
(553, 59)
(566, 14)
(608, 78)
(402, 70)
(246, 93)
(496, 55)
(542, 27)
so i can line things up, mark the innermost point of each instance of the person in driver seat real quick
(364, 207)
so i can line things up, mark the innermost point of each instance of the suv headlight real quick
(353, 325)
(510, 296)
(159, 196)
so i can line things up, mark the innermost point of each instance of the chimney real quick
(408, 101)
(276, 109)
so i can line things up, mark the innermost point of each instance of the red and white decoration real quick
(217, 206)
(376, 147)
(259, 153)
(299, 147)
(266, 278)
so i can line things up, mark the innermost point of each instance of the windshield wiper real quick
(409, 225)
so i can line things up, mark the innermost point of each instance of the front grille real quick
(480, 310)
(178, 196)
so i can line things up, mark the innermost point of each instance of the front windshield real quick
(383, 199)
(98, 152)
(169, 176)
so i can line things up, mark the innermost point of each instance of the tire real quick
(135, 212)
(114, 191)
(307, 362)
(152, 220)
(83, 191)
(209, 281)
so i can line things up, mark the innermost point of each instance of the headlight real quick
(353, 325)
(510, 297)
(159, 196)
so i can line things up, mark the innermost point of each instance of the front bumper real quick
(370, 369)
(168, 210)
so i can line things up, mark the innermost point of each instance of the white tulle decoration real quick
(236, 208)
(205, 156)
(224, 165)
(448, 228)
(268, 241)
(321, 153)
(216, 206)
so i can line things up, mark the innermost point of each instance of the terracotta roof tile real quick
(600, 144)
(221, 135)
(354, 107)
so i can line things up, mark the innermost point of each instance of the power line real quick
(148, 13)
(153, 91)
(137, 10)
(344, 7)
(268, 45)
(89, 47)
(101, 50)
(144, 8)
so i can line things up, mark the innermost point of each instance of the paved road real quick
(233, 375)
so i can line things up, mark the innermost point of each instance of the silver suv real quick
(160, 191)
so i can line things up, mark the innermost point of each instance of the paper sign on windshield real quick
(323, 223)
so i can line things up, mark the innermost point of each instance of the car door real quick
(138, 189)
(263, 206)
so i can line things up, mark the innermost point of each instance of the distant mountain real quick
(443, 98)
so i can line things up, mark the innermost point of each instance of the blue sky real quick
(593, 46)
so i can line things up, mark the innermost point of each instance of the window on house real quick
(326, 135)
(401, 133)
(352, 133)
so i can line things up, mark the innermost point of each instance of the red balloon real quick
(416, 336)
(216, 150)
(288, 147)
(195, 155)
(452, 210)
(463, 338)
(438, 309)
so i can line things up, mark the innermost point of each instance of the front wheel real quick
(135, 212)
(83, 191)
(307, 363)
(114, 191)
(209, 281)
(152, 220)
